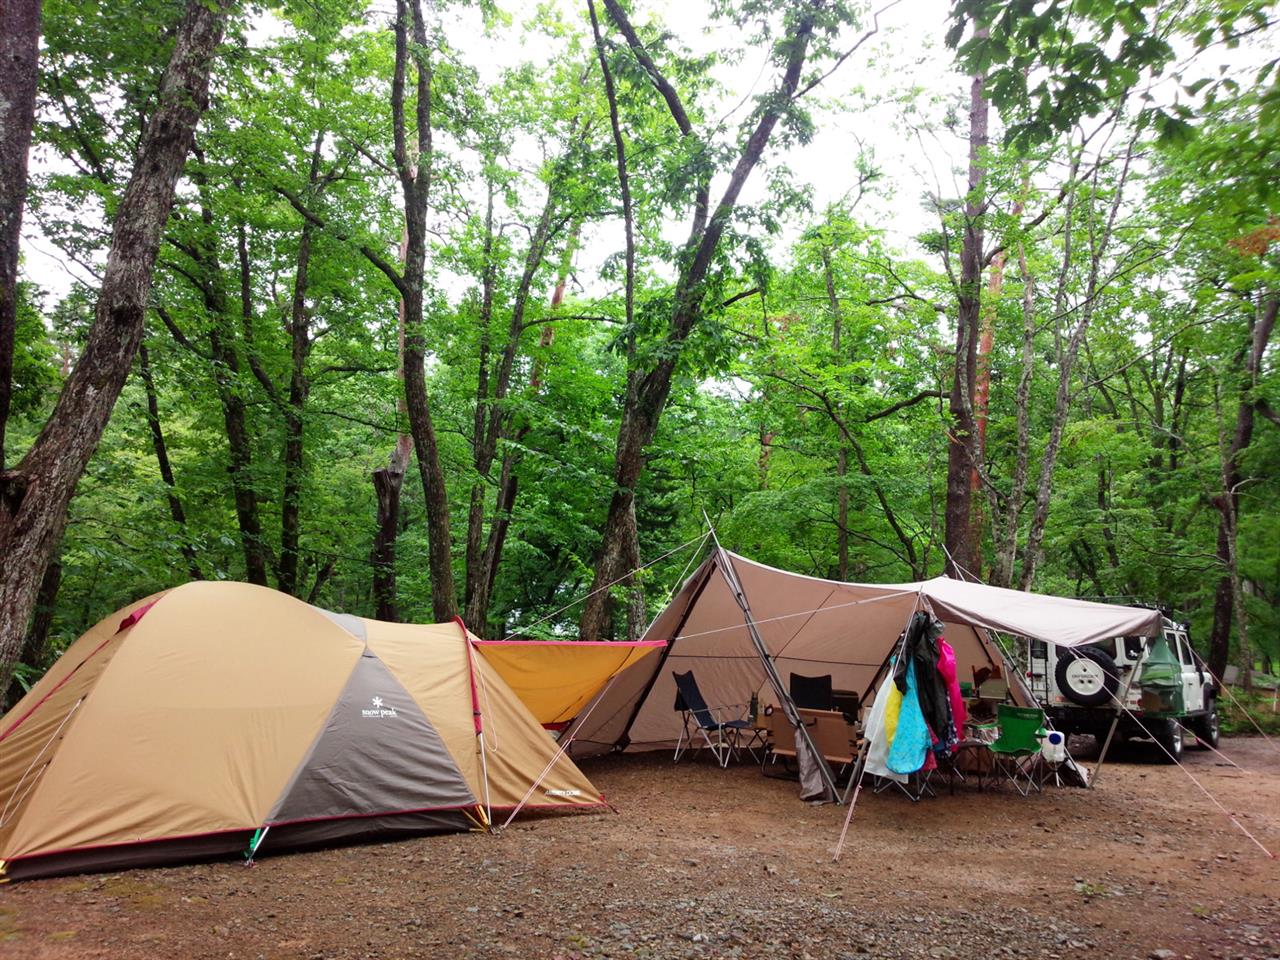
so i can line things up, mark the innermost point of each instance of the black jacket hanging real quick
(920, 646)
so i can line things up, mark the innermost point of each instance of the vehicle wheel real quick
(1168, 734)
(1087, 676)
(1208, 728)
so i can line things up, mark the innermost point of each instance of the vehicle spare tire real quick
(1087, 676)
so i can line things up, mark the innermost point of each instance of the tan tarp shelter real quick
(555, 679)
(810, 626)
(219, 718)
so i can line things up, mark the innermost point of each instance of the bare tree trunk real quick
(962, 550)
(652, 387)
(444, 602)
(1227, 595)
(19, 57)
(482, 453)
(35, 494)
(842, 455)
(1098, 244)
(1006, 537)
(299, 391)
(176, 510)
(387, 483)
(492, 420)
(35, 649)
(226, 375)
(508, 478)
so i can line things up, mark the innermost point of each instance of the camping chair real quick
(812, 693)
(1020, 731)
(721, 737)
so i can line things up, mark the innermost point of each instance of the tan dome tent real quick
(222, 718)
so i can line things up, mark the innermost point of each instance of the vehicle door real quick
(1192, 687)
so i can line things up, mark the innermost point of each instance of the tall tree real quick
(644, 405)
(415, 181)
(19, 53)
(34, 495)
(962, 546)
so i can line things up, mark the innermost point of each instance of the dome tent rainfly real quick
(221, 718)
(742, 627)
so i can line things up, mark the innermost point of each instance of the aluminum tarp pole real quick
(1121, 702)
(788, 705)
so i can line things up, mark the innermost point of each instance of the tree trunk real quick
(1006, 536)
(842, 455)
(35, 495)
(226, 375)
(482, 451)
(387, 483)
(1099, 241)
(299, 390)
(35, 648)
(1228, 501)
(444, 604)
(961, 546)
(645, 404)
(225, 353)
(176, 510)
(19, 57)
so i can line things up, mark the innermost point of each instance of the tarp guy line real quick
(558, 754)
(801, 613)
(1229, 815)
(1223, 686)
(626, 575)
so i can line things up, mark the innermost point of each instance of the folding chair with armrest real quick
(721, 737)
(1020, 731)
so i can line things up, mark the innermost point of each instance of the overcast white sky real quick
(855, 109)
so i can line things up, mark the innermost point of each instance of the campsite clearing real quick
(707, 863)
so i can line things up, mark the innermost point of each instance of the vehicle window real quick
(1133, 648)
(1185, 650)
(1106, 646)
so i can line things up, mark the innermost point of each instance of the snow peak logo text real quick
(564, 793)
(378, 710)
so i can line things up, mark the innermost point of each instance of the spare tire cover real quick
(1087, 676)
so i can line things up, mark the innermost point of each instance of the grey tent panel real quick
(377, 754)
(353, 625)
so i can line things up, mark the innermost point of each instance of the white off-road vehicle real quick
(1079, 687)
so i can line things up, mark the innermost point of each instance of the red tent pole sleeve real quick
(471, 674)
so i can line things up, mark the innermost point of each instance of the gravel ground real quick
(705, 863)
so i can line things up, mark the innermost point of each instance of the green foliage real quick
(767, 401)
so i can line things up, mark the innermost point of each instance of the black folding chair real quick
(812, 693)
(721, 737)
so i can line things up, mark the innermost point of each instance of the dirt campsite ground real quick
(705, 863)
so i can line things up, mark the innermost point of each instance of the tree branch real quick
(370, 254)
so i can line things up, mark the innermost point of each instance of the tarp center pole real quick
(784, 698)
(1121, 707)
